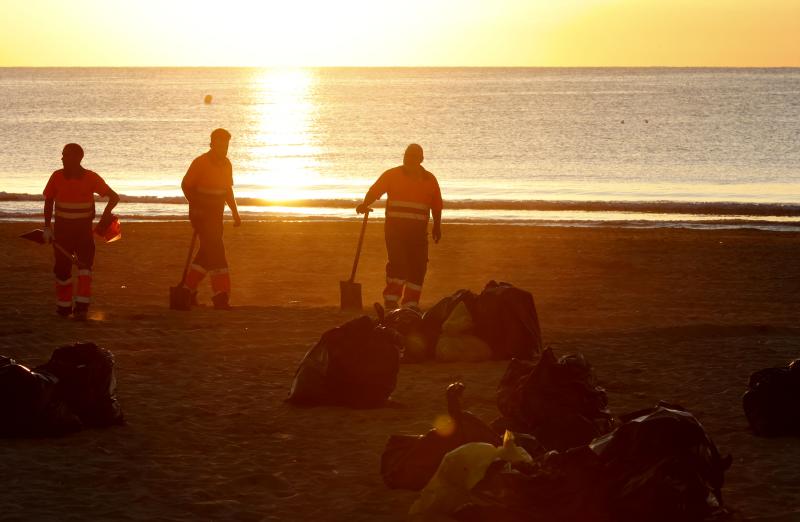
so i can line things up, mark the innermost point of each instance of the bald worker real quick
(413, 195)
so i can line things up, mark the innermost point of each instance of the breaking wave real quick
(713, 208)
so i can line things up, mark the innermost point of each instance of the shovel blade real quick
(180, 298)
(350, 295)
(37, 236)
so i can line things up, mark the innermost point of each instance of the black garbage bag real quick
(556, 487)
(86, 382)
(505, 317)
(409, 461)
(408, 323)
(355, 365)
(30, 405)
(772, 401)
(436, 316)
(556, 401)
(660, 466)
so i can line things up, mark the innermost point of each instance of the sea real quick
(636, 147)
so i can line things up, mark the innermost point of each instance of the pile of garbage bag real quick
(499, 323)
(86, 382)
(75, 389)
(461, 470)
(658, 465)
(353, 365)
(505, 317)
(409, 461)
(771, 402)
(557, 401)
(458, 341)
(408, 323)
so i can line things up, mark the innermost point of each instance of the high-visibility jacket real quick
(209, 180)
(410, 197)
(74, 197)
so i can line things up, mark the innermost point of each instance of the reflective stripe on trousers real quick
(84, 292)
(64, 292)
(195, 274)
(220, 281)
(412, 294)
(407, 249)
(394, 289)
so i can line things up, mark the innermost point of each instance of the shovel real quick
(180, 297)
(350, 290)
(37, 236)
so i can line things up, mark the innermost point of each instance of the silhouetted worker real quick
(208, 186)
(413, 195)
(71, 191)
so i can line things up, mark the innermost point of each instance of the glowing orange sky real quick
(408, 33)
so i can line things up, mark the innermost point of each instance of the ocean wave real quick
(701, 208)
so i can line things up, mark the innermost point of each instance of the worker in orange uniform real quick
(71, 192)
(413, 196)
(208, 186)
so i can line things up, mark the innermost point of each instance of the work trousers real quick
(75, 237)
(407, 248)
(210, 258)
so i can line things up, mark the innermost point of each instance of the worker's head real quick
(220, 138)
(413, 156)
(71, 156)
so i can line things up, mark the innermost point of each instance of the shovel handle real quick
(360, 242)
(64, 251)
(189, 257)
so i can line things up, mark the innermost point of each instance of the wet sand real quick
(678, 315)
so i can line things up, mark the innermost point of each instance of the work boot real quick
(80, 312)
(389, 305)
(221, 301)
(64, 311)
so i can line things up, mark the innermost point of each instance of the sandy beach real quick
(662, 314)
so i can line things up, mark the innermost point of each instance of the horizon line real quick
(278, 66)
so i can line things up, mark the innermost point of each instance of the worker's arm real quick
(374, 193)
(436, 211)
(189, 181)
(48, 217)
(436, 233)
(230, 199)
(48, 211)
(105, 219)
(113, 200)
(50, 192)
(187, 189)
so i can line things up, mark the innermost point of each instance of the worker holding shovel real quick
(413, 196)
(208, 186)
(70, 191)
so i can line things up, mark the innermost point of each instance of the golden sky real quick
(400, 33)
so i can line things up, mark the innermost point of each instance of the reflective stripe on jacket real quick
(410, 196)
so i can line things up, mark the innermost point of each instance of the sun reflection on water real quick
(286, 117)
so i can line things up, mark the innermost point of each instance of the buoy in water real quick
(207, 99)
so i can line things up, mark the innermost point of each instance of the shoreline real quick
(717, 207)
(724, 225)
(779, 217)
